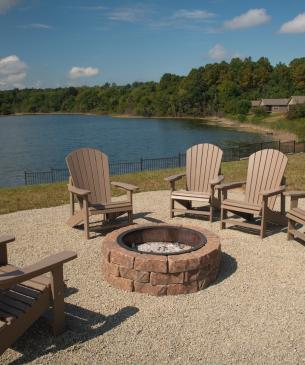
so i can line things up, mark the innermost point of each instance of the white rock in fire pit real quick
(161, 247)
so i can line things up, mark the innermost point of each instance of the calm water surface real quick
(39, 142)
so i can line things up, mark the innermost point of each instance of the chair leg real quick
(130, 217)
(290, 227)
(283, 204)
(86, 219)
(263, 227)
(72, 204)
(223, 215)
(57, 287)
(171, 207)
(211, 213)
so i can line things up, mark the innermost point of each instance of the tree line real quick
(225, 87)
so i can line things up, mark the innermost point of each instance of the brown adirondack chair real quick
(25, 294)
(202, 175)
(265, 180)
(90, 183)
(295, 215)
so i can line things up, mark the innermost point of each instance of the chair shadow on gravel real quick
(82, 325)
(147, 217)
(270, 229)
(100, 231)
(228, 266)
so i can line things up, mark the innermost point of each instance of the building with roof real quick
(275, 105)
(295, 100)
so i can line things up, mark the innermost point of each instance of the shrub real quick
(260, 111)
(243, 107)
(241, 118)
(237, 107)
(296, 111)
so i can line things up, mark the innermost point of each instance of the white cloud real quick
(77, 72)
(36, 26)
(5, 5)
(129, 14)
(193, 14)
(12, 72)
(251, 18)
(296, 25)
(98, 7)
(190, 20)
(218, 53)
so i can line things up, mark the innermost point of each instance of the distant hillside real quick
(214, 88)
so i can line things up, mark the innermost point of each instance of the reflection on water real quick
(42, 141)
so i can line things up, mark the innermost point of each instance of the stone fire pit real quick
(178, 259)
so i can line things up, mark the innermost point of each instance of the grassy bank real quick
(49, 195)
(279, 122)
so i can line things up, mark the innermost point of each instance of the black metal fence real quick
(119, 168)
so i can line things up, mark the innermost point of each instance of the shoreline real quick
(281, 135)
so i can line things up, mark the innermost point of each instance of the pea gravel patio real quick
(253, 314)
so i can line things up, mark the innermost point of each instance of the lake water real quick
(39, 142)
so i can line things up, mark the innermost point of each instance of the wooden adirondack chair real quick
(90, 183)
(295, 215)
(264, 178)
(202, 175)
(25, 294)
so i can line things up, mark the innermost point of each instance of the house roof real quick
(255, 102)
(297, 100)
(275, 102)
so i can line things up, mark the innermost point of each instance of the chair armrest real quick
(77, 191)
(14, 277)
(272, 192)
(217, 180)
(175, 177)
(295, 194)
(229, 186)
(6, 239)
(128, 187)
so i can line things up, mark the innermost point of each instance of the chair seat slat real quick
(241, 204)
(4, 298)
(300, 213)
(31, 293)
(10, 310)
(20, 297)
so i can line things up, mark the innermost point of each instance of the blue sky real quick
(59, 43)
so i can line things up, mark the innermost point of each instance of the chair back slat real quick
(202, 165)
(89, 169)
(265, 172)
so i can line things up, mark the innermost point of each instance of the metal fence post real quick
(141, 164)
(52, 175)
(179, 159)
(25, 178)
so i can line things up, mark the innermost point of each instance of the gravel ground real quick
(253, 314)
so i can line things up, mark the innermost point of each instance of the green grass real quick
(49, 195)
(279, 121)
